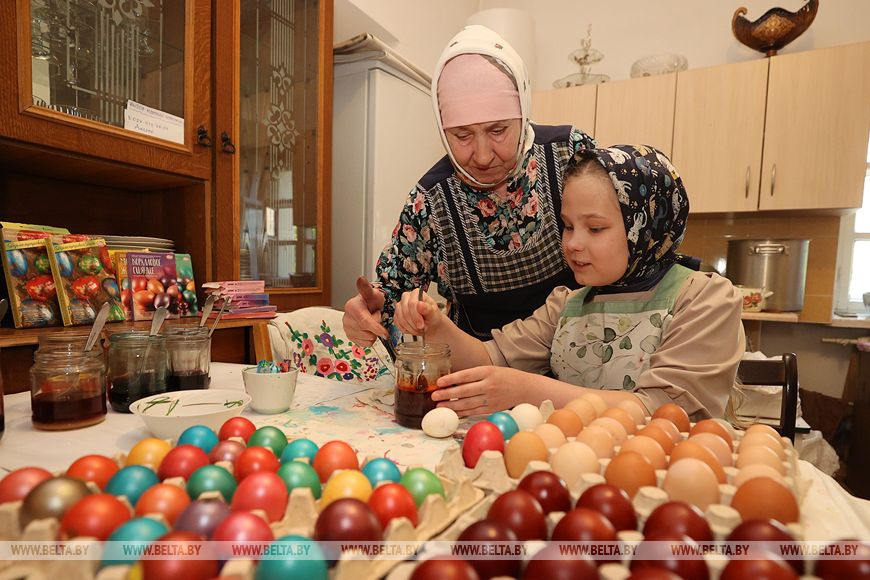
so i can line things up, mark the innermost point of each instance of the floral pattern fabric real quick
(326, 355)
(507, 220)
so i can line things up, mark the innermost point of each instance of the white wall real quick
(698, 29)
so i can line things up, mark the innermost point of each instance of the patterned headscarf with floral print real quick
(654, 207)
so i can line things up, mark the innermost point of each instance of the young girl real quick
(643, 328)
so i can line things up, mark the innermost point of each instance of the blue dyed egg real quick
(309, 563)
(299, 448)
(144, 530)
(35, 313)
(381, 469)
(505, 424)
(64, 263)
(17, 262)
(199, 436)
(111, 287)
(132, 481)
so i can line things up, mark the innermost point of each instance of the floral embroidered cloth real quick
(313, 338)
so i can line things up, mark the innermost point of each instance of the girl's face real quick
(488, 151)
(594, 240)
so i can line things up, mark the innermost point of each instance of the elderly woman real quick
(484, 222)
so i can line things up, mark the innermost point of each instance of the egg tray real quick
(490, 474)
(435, 514)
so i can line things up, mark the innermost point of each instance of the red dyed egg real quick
(678, 519)
(833, 568)
(237, 427)
(95, 516)
(770, 568)
(551, 564)
(765, 531)
(657, 551)
(393, 500)
(18, 484)
(347, 519)
(332, 456)
(520, 512)
(96, 468)
(491, 532)
(254, 459)
(549, 489)
(483, 436)
(613, 503)
(262, 490)
(226, 451)
(186, 568)
(181, 461)
(444, 568)
(165, 499)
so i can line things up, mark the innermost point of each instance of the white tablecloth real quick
(324, 410)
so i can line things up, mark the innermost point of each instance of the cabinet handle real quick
(227, 145)
(772, 179)
(747, 182)
(202, 136)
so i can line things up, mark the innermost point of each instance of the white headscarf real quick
(477, 39)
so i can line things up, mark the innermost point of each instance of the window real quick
(853, 271)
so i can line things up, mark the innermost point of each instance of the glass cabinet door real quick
(278, 148)
(120, 80)
(97, 59)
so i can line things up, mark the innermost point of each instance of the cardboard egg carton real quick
(434, 515)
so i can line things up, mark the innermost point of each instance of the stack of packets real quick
(270, 367)
(243, 299)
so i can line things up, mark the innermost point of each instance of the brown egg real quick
(692, 481)
(522, 448)
(716, 428)
(598, 439)
(760, 438)
(675, 414)
(756, 470)
(630, 471)
(612, 426)
(696, 450)
(759, 454)
(762, 498)
(583, 409)
(566, 420)
(717, 445)
(763, 428)
(660, 436)
(572, 460)
(596, 401)
(623, 417)
(649, 448)
(552, 435)
(668, 427)
(635, 409)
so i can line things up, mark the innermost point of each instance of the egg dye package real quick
(85, 279)
(30, 286)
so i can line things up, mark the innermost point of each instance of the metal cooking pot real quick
(777, 265)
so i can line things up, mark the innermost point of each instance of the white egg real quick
(527, 416)
(440, 422)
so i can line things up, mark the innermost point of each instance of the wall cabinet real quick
(785, 133)
(718, 135)
(638, 111)
(571, 106)
(817, 129)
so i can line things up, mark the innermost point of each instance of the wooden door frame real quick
(226, 114)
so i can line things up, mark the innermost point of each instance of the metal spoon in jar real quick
(97, 328)
(157, 321)
(206, 308)
(219, 314)
(4, 306)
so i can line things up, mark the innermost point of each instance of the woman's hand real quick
(413, 316)
(362, 314)
(482, 390)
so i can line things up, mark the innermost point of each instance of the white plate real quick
(167, 415)
(137, 239)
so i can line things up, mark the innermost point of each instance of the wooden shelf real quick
(11, 337)
(771, 316)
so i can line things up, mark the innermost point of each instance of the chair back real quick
(314, 339)
(776, 372)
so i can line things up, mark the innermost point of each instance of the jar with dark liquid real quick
(68, 385)
(136, 368)
(417, 371)
(189, 350)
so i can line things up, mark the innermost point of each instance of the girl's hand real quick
(482, 390)
(413, 316)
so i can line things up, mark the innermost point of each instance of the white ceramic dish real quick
(167, 415)
(271, 393)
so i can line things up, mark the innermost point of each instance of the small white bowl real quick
(167, 415)
(271, 393)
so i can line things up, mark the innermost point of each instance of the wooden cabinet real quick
(67, 70)
(817, 128)
(246, 193)
(573, 105)
(718, 135)
(638, 111)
